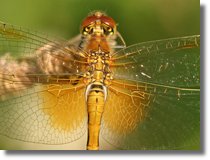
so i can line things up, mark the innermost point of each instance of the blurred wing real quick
(159, 109)
(41, 87)
(47, 54)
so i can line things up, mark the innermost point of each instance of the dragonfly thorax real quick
(99, 71)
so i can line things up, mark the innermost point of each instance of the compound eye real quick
(109, 21)
(88, 20)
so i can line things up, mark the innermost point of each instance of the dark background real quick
(138, 21)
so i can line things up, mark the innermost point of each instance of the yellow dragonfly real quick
(141, 97)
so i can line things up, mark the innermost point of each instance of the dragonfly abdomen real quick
(95, 107)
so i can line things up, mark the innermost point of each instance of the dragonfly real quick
(142, 97)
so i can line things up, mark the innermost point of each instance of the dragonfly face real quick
(98, 22)
(144, 96)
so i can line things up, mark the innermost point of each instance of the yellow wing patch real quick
(67, 111)
(124, 110)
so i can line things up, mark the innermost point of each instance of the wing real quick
(159, 109)
(41, 87)
(173, 62)
(49, 114)
(51, 55)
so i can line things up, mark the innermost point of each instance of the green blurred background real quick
(138, 21)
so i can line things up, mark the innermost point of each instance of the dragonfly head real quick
(98, 24)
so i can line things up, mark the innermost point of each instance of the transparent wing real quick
(47, 54)
(151, 119)
(173, 62)
(49, 114)
(41, 87)
(153, 101)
